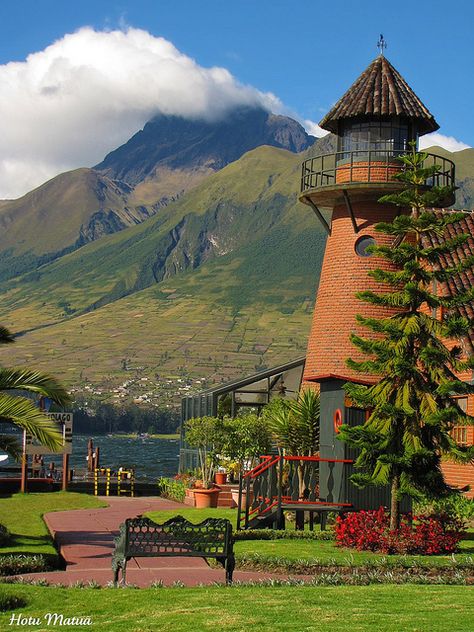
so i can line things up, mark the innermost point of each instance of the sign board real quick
(64, 422)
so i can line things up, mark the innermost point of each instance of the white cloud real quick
(87, 93)
(313, 128)
(447, 142)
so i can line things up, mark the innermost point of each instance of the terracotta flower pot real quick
(205, 498)
(220, 478)
(235, 497)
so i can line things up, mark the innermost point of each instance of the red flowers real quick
(422, 535)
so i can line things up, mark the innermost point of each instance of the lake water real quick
(151, 458)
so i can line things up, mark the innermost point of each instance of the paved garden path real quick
(85, 540)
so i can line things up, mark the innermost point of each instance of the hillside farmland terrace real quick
(213, 285)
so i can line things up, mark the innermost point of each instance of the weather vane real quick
(381, 44)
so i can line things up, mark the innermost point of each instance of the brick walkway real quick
(85, 539)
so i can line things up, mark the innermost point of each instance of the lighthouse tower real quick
(374, 122)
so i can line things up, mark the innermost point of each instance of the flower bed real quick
(417, 535)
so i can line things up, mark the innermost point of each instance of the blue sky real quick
(306, 53)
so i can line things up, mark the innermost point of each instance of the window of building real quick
(362, 244)
(459, 433)
(386, 137)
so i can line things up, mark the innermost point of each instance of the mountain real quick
(217, 284)
(234, 207)
(178, 143)
(168, 157)
(61, 215)
(195, 149)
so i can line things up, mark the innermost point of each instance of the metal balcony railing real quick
(371, 166)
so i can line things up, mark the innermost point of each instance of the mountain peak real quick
(173, 142)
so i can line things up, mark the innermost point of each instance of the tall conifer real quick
(412, 407)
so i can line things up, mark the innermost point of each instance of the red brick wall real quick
(360, 172)
(461, 475)
(343, 273)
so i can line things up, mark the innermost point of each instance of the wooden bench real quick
(141, 537)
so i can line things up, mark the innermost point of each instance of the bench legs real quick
(118, 564)
(121, 563)
(229, 564)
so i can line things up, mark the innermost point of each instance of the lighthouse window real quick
(362, 244)
(386, 137)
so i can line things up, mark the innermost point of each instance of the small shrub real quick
(10, 602)
(172, 489)
(456, 505)
(4, 535)
(420, 535)
(16, 564)
(270, 534)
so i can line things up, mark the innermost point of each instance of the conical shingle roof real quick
(380, 91)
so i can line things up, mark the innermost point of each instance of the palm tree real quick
(18, 410)
(295, 426)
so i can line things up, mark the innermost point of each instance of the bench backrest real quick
(142, 537)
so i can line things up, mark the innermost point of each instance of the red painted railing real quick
(264, 488)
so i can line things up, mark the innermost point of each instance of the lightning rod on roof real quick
(381, 44)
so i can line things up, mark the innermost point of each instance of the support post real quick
(247, 502)
(280, 516)
(239, 502)
(350, 211)
(24, 473)
(232, 405)
(65, 472)
(319, 215)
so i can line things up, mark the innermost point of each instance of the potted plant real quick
(220, 476)
(206, 434)
(246, 438)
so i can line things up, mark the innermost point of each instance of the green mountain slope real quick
(215, 285)
(230, 269)
(234, 207)
(168, 157)
(61, 215)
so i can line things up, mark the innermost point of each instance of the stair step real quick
(224, 503)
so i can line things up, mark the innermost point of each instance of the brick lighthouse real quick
(373, 121)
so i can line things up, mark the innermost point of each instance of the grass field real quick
(22, 514)
(389, 608)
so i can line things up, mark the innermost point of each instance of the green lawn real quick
(326, 553)
(390, 608)
(194, 515)
(22, 514)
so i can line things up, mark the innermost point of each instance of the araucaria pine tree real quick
(413, 407)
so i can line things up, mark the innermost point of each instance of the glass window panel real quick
(383, 136)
